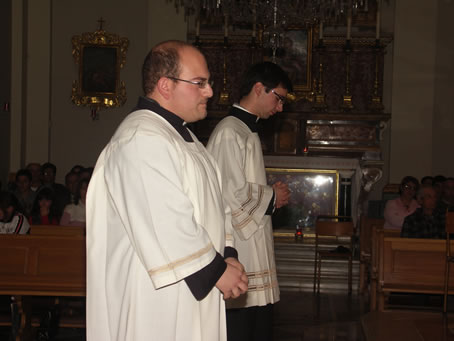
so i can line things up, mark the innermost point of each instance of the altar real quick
(319, 186)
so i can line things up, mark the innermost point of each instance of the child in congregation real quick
(44, 210)
(12, 221)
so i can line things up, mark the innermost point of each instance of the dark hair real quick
(71, 173)
(8, 199)
(163, 60)
(438, 179)
(88, 171)
(269, 74)
(49, 165)
(428, 177)
(79, 186)
(76, 169)
(47, 194)
(24, 172)
(409, 179)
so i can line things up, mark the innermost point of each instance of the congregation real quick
(34, 198)
(419, 210)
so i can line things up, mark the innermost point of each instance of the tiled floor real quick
(304, 316)
(311, 317)
(298, 316)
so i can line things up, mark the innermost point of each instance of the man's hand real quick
(233, 261)
(282, 194)
(233, 281)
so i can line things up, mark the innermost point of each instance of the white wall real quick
(413, 88)
(443, 118)
(54, 128)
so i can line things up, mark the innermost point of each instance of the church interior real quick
(372, 103)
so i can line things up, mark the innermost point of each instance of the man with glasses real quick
(159, 240)
(236, 146)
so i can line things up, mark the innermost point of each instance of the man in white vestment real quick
(236, 146)
(160, 258)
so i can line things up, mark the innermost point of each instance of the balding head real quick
(162, 61)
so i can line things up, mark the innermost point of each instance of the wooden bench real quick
(57, 230)
(365, 244)
(378, 233)
(41, 265)
(410, 265)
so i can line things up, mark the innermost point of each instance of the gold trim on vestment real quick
(254, 208)
(240, 210)
(262, 287)
(262, 273)
(181, 261)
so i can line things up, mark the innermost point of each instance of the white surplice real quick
(238, 152)
(154, 216)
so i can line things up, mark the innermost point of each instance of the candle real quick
(226, 27)
(377, 26)
(320, 34)
(349, 26)
(254, 22)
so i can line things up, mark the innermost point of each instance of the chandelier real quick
(274, 16)
(280, 12)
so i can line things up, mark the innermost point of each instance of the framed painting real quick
(313, 193)
(100, 56)
(296, 58)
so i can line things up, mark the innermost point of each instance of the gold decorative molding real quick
(100, 56)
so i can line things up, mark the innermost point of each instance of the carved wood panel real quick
(302, 130)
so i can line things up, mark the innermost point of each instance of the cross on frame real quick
(101, 22)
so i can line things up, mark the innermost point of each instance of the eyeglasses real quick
(407, 186)
(202, 83)
(279, 97)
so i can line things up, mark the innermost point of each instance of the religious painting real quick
(313, 193)
(100, 56)
(99, 69)
(295, 57)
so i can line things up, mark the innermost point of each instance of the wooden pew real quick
(365, 244)
(57, 230)
(41, 265)
(411, 266)
(378, 233)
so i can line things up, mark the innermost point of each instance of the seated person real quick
(446, 201)
(86, 173)
(426, 222)
(437, 184)
(11, 220)
(24, 194)
(397, 209)
(35, 169)
(74, 214)
(62, 194)
(76, 169)
(71, 182)
(44, 211)
(427, 180)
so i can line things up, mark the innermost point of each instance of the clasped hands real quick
(233, 281)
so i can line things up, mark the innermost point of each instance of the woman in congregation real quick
(397, 209)
(44, 210)
(74, 214)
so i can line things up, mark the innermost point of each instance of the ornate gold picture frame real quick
(100, 56)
